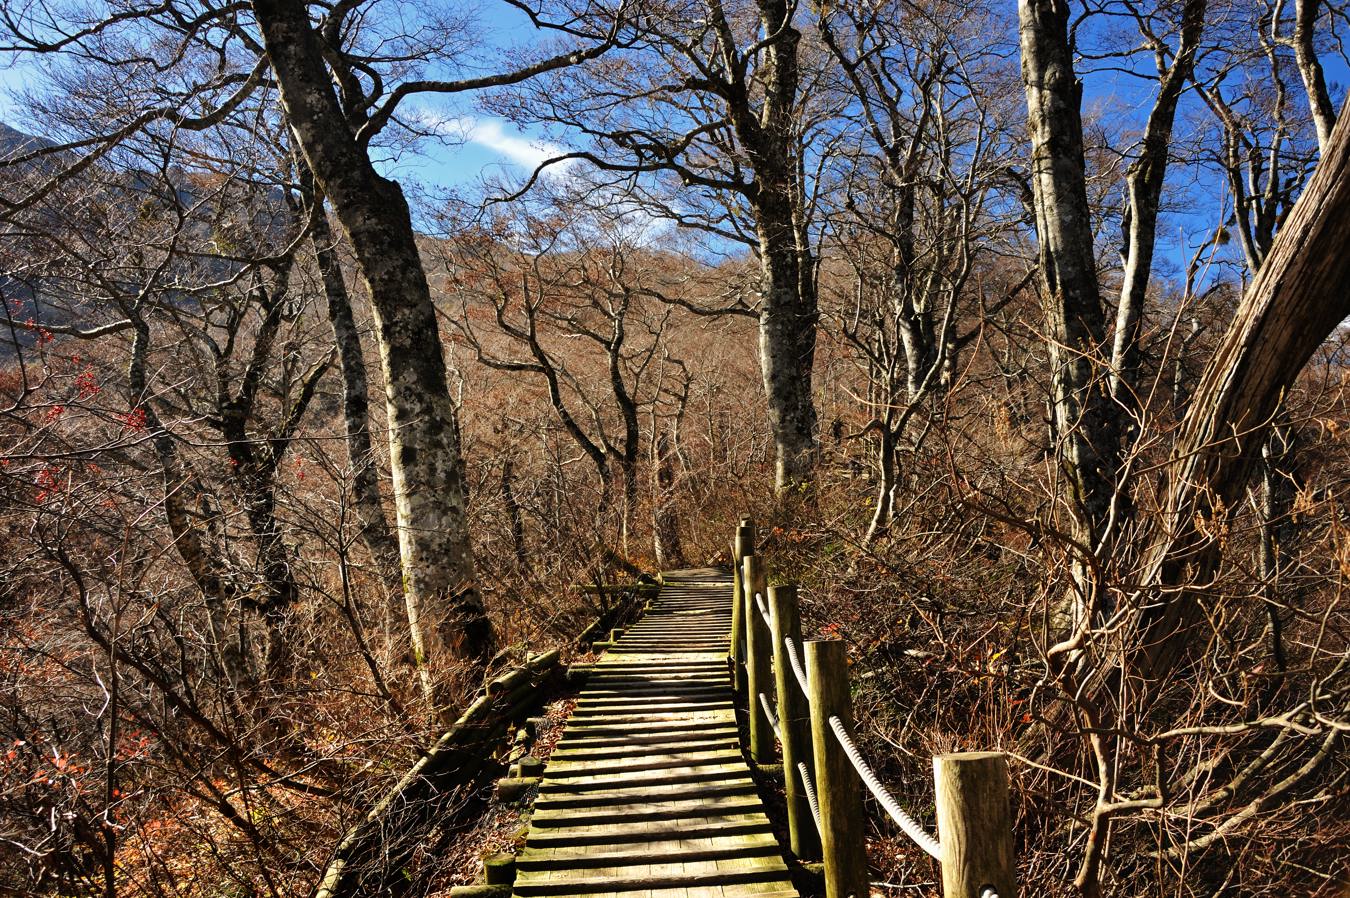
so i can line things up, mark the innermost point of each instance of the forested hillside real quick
(1019, 330)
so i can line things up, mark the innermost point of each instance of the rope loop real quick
(906, 823)
(795, 662)
(810, 789)
(769, 713)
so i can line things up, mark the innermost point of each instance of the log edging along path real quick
(648, 794)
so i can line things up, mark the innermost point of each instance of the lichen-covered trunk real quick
(914, 319)
(788, 308)
(1310, 70)
(375, 531)
(1085, 418)
(787, 349)
(445, 611)
(884, 513)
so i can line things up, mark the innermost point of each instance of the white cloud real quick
(492, 134)
(501, 138)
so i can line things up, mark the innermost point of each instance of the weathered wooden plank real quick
(647, 794)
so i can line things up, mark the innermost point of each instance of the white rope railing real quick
(763, 610)
(772, 717)
(795, 662)
(810, 789)
(907, 823)
(970, 805)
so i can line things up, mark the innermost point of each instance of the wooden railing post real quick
(758, 678)
(794, 721)
(743, 545)
(974, 824)
(843, 835)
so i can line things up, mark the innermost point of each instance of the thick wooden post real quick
(794, 721)
(843, 836)
(974, 824)
(758, 677)
(743, 545)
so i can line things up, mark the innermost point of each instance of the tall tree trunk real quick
(666, 524)
(1293, 304)
(788, 311)
(1310, 70)
(1144, 184)
(787, 351)
(445, 610)
(1086, 420)
(375, 533)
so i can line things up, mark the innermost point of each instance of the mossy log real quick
(389, 834)
(770, 771)
(514, 788)
(480, 891)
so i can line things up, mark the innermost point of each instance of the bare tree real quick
(710, 97)
(571, 281)
(934, 103)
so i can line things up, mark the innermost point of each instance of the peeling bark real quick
(1293, 304)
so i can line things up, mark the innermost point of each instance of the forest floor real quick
(500, 826)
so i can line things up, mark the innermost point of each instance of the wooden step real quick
(639, 795)
(647, 794)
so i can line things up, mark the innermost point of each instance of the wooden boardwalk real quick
(648, 794)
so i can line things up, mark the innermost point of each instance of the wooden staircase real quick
(648, 794)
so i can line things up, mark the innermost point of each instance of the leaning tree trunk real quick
(1294, 303)
(445, 610)
(1086, 421)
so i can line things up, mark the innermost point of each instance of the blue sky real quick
(477, 145)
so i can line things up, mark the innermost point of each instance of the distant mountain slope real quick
(14, 142)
